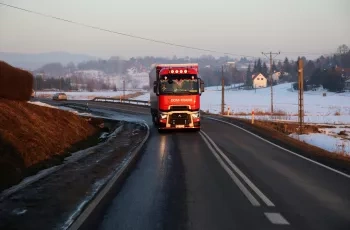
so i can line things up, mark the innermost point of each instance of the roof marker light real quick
(176, 71)
(172, 71)
(185, 71)
(181, 71)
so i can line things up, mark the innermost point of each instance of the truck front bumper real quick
(178, 127)
(179, 120)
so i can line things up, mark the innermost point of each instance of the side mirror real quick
(155, 88)
(202, 86)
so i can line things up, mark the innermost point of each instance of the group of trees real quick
(328, 71)
(324, 71)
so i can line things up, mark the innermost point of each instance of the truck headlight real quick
(163, 116)
(195, 115)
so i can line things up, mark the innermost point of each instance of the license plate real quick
(180, 126)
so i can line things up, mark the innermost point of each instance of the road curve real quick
(224, 178)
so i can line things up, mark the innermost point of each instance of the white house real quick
(259, 81)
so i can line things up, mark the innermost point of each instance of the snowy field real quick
(332, 108)
(329, 140)
(83, 95)
(143, 97)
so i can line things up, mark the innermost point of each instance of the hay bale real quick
(15, 84)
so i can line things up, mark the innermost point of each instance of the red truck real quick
(175, 96)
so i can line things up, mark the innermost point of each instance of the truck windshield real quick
(179, 86)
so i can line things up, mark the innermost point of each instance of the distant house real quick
(259, 81)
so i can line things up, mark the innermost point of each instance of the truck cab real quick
(175, 96)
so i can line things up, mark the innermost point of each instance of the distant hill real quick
(35, 61)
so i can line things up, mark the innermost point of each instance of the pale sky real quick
(241, 27)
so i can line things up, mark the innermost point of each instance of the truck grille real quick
(179, 108)
(180, 119)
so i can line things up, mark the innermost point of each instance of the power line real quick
(308, 53)
(144, 38)
(123, 34)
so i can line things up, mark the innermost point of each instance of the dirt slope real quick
(30, 134)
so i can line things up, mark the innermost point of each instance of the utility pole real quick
(222, 91)
(301, 95)
(123, 88)
(233, 78)
(271, 81)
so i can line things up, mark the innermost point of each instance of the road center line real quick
(240, 185)
(276, 218)
(266, 200)
(291, 152)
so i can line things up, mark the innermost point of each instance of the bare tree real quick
(343, 49)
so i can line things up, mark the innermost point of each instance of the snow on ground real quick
(318, 119)
(331, 143)
(83, 95)
(41, 104)
(229, 87)
(59, 107)
(285, 100)
(143, 97)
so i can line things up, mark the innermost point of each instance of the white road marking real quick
(240, 185)
(291, 152)
(266, 200)
(276, 218)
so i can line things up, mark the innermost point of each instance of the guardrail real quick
(122, 101)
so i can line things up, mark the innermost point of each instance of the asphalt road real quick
(224, 178)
